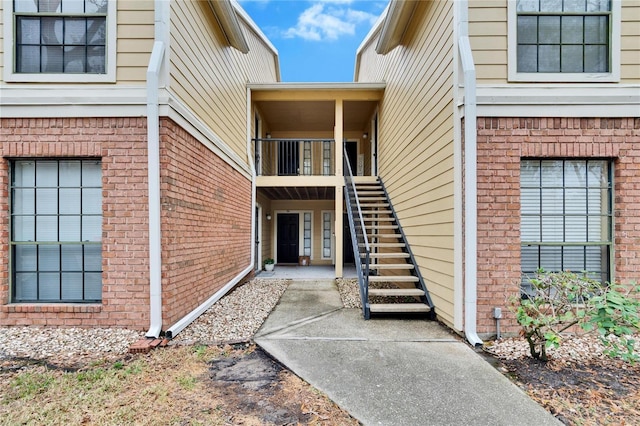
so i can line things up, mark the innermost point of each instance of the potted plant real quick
(269, 263)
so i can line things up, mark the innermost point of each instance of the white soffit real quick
(395, 24)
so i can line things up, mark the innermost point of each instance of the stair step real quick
(385, 236)
(379, 266)
(398, 307)
(376, 212)
(366, 205)
(398, 245)
(378, 219)
(367, 198)
(390, 227)
(395, 292)
(394, 278)
(387, 255)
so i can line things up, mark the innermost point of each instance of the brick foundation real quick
(206, 218)
(502, 142)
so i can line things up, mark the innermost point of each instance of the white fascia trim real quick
(9, 53)
(397, 18)
(368, 40)
(172, 331)
(539, 100)
(256, 29)
(185, 118)
(228, 19)
(20, 101)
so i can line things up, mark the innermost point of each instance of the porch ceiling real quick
(305, 116)
(298, 192)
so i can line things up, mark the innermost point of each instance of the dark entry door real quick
(352, 156)
(288, 238)
(288, 158)
(347, 246)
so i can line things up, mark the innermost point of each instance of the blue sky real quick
(316, 40)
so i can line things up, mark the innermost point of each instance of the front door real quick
(288, 158)
(352, 156)
(288, 237)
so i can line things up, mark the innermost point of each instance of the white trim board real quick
(544, 100)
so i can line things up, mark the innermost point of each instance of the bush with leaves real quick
(561, 300)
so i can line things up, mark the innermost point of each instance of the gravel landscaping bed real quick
(234, 318)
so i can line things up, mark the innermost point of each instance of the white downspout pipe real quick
(470, 192)
(172, 331)
(153, 158)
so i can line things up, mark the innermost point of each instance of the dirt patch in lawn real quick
(218, 385)
(600, 392)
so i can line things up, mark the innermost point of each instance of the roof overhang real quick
(395, 24)
(226, 16)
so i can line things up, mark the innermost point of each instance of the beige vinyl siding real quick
(1, 41)
(630, 42)
(416, 142)
(135, 36)
(488, 37)
(209, 76)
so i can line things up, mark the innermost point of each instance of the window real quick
(61, 40)
(326, 235)
(307, 234)
(56, 230)
(564, 40)
(566, 217)
(326, 158)
(306, 158)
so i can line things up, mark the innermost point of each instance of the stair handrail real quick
(416, 269)
(351, 198)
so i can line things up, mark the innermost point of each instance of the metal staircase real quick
(388, 277)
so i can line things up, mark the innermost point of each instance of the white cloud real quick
(328, 20)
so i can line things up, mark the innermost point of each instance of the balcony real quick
(294, 157)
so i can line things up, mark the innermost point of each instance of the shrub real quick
(561, 300)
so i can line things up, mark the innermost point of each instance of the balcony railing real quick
(294, 157)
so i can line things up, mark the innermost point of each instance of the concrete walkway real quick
(390, 371)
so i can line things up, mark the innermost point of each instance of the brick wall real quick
(206, 218)
(501, 144)
(121, 144)
(206, 222)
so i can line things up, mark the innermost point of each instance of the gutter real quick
(470, 193)
(153, 170)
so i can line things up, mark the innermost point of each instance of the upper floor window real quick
(61, 40)
(564, 40)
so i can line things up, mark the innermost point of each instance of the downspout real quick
(153, 158)
(470, 183)
(172, 331)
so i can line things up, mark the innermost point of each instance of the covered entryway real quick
(288, 237)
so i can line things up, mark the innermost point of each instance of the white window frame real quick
(607, 220)
(614, 70)
(331, 231)
(38, 243)
(10, 52)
